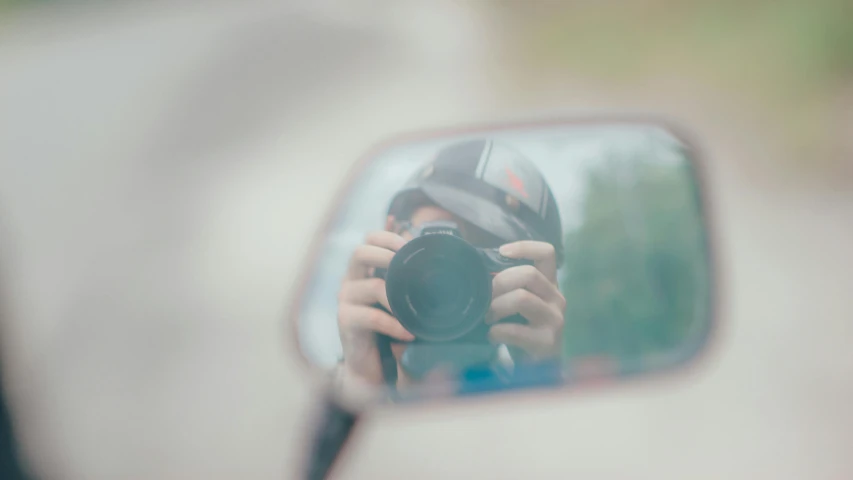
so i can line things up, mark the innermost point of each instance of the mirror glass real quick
(518, 257)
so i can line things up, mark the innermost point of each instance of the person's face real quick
(433, 213)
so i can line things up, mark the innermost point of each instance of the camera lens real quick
(436, 290)
(438, 287)
(439, 291)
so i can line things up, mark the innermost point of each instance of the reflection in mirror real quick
(512, 258)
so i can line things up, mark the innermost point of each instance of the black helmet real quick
(492, 186)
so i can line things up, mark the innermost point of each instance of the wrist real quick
(352, 385)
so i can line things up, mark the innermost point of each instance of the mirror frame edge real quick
(695, 354)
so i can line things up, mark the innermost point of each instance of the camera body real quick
(439, 286)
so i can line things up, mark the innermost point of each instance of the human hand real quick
(532, 292)
(358, 318)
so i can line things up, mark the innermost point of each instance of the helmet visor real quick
(479, 212)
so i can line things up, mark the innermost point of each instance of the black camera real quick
(440, 287)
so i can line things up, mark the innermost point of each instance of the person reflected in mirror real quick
(498, 200)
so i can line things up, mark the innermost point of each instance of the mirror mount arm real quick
(335, 428)
(345, 398)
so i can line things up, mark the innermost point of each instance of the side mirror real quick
(512, 257)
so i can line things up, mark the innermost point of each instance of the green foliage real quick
(787, 62)
(804, 43)
(635, 268)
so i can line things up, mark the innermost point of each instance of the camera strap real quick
(387, 360)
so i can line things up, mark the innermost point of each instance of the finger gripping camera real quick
(439, 286)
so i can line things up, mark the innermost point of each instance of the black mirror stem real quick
(335, 428)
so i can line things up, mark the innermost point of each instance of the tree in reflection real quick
(635, 267)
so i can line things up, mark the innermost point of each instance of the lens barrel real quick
(438, 287)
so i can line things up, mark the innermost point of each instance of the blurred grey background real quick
(164, 165)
